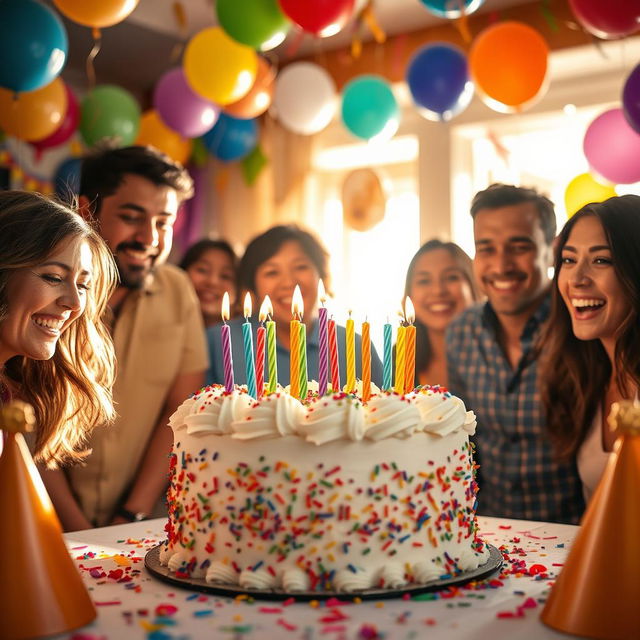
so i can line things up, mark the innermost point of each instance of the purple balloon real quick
(612, 148)
(181, 108)
(631, 99)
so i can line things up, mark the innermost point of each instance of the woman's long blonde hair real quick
(71, 392)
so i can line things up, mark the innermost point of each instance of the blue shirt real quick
(519, 477)
(216, 372)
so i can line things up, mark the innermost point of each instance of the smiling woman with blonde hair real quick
(56, 275)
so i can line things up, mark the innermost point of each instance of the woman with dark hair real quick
(440, 284)
(591, 348)
(273, 264)
(211, 266)
(56, 275)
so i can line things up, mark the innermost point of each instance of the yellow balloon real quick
(33, 115)
(155, 133)
(96, 13)
(584, 189)
(219, 68)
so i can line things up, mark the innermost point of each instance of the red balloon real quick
(321, 17)
(608, 19)
(65, 130)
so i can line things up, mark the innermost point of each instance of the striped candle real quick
(294, 367)
(351, 355)
(247, 340)
(366, 362)
(410, 347)
(323, 352)
(333, 355)
(400, 361)
(225, 337)
(388, 358)
(272, 362)
(302, 362)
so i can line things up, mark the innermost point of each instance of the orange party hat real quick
(42, 591)
(598, 592)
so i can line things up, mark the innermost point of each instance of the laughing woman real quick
(56, 275)
(592, 345)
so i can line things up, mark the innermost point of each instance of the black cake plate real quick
(152, 563)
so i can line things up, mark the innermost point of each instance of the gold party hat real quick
(42, 591)
(598, 591)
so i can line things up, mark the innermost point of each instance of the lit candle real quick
(333, 355)
(366, 362)
(272, 361)
(247, 339)
(410, 346)
(323, 352)
(260, 340)
(388, 357)
(225, 336)
(400, 359)
(302, 349)
(351, 355)
(294, 336)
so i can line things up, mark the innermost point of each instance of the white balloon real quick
(305, 98)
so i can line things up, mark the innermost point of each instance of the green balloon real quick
(109, 112)
(257, 23)
(368, 106)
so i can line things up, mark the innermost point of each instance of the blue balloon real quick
(231, 138)
(438, 78)
(451, 8)
(66, 181)
(33, 45)
(369, 107)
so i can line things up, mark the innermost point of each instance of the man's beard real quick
(131, 277)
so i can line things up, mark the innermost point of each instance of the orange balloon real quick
(96, 13)
(33, 115)
(508, 64)
(155, 133)
(260, 96)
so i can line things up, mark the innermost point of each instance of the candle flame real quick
(224, 312)
(322, 294)
(297, 304)
(247, 305)
(409, 311)
(265, 309)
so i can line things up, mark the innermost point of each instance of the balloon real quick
(66, 182)
(96, 13)
(33, 45)
(610, 19)
(257, 23)
(231, 138)
(33, 115)
(631, 99)
(181, 108)
(155, 133)
(449, 9)
(438, 78)
(508, 64)
(218, 68)
(305, 98)
(584, 189)
(109, 112)
(369, 107)
(260, 96)
(612, 148)
(321, 17)
(67, 127)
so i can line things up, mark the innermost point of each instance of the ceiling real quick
(136, 52)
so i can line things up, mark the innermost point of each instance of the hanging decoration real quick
(321, 18)
(260, 24)
(66, 129)
(231, 138)
(631, 99)
(608, 20)
(100, 14)
(363, 200)
(451, 8)
(155, 133)
(584, 189)
(260, 96)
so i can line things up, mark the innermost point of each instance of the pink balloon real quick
(612, 148)
(181, 108)
(66, 129)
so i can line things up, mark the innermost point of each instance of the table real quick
(133, 605)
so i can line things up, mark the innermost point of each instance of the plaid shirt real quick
(519, 477)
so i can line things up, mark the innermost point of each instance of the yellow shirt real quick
(158, 335)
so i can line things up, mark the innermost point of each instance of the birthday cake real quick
(332, 495)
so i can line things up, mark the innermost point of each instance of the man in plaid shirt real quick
(492, 363)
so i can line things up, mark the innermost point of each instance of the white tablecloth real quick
(133, 605)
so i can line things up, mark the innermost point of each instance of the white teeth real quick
(504, 284)
(586, 302)
(436, 308)
(49, 323)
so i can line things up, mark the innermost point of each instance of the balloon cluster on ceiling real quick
(224, 85)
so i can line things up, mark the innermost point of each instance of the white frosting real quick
(440, 412)
(391, 415)
(352, 579)
(177, 419)
(295, 580)
(470, 423)
(259, 579)
(178, 560)
(337, 417)
(392, 576)
(425, 571)
(220, 572)
(278, 414)
(214, 412)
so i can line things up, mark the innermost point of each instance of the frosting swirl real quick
(294, 580)
(259, 579)
(392, 576)
(441, 413)
(220, 572)
(424, 572)
(333, 417)
(391, 415)
(215, 411)
(275, 415)
(352, 579)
